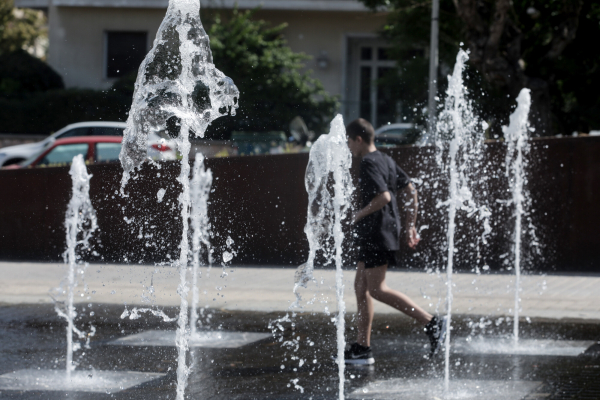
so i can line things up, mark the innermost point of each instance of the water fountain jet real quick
(457, 122)
(201, 184)
(80, 225)
(516, 135)
(80, 218)
(329, 186)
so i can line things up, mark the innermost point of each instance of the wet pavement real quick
(295, 362)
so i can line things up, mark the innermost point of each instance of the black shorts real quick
(376, 257)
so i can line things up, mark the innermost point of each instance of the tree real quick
(20, 28)
(273, 88)
(408, 30)
(539, 44)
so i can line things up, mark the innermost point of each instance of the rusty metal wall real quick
(261, 203)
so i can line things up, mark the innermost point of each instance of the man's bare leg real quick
(379, 290)
(365, 306)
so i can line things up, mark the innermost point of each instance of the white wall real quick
(314, 32)
(77, 38)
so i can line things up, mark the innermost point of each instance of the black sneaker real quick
(359, 355)
(436, 330)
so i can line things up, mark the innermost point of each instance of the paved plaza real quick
(247, 348)
(266, 289)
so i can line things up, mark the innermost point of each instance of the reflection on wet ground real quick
(33, 337)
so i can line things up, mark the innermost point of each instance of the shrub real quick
(46, 112)
(22, 73)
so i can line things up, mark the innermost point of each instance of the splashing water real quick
(200, 191)
(460, 125)
(178, 86)
(329, 186)
(80, 224)
(516, 135)
(135, 313)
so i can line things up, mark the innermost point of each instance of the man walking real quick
(377, 227)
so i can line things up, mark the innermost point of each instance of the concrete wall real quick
(77, 38)
(313, 32)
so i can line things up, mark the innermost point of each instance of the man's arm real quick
(376, 204)
(410, 203)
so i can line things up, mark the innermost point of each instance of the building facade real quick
(93, 42)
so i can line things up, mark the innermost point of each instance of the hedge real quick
(46, 112)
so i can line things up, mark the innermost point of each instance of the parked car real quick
(17, 154)
(95, 149)
(396, 134)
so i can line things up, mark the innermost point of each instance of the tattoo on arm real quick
(410, 203)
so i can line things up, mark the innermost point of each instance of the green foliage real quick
(19, 28)
(126, 84)
(408, 30)
(273, 90)
(572, 74)
(21, 73)
(267, 72)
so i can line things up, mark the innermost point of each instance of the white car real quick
(160, 146)
(396, 134)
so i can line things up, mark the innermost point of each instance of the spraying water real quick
(516, 137)
(80, 224)
(200, 191)
(460, 125)
(329, 186)
(177, 88)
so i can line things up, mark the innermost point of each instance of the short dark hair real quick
(361, 127)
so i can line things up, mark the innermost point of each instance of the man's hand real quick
(412, 237)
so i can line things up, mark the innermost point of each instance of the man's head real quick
(360, 134)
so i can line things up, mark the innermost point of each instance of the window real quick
(107, 152)
(64, 154)
(106, 131)
(387, 107)
(366, 53)
(364, 96)
(75, 132)
(125, 51)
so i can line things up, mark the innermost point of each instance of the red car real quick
(95, 149)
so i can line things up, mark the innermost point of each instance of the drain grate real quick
(581, 384)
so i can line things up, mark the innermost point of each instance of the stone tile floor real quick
(295, 363)
(269, 289)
